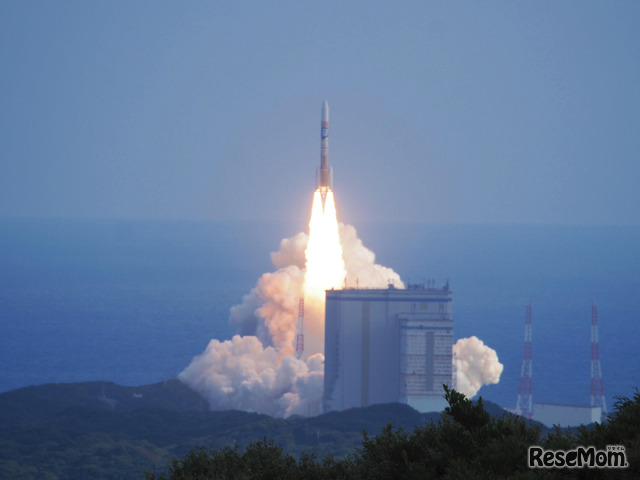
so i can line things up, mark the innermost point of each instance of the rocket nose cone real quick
(325, 112)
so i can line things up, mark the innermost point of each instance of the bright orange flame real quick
(325, 265)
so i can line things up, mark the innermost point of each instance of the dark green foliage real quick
(467, 443)
(622, 428)
(69, 431)
(263, 460)
(68, 439)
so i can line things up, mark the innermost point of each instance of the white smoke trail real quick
(476, 365)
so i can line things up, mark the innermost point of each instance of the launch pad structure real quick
(388, 345)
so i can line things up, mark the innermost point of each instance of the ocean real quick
(133, 301)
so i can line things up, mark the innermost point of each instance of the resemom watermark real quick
(613, 457)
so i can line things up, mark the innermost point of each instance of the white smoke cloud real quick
(362, 271)
(270, 310)
(256, 370)
(242, 374)
(291, 251)
(476, 365)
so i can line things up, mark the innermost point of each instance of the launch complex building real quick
(388, 345)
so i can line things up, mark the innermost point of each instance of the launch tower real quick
(597, 388)
(524, 405)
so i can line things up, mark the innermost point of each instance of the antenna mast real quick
(300, 336)
(597, 389)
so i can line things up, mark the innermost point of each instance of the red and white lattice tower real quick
(524, 405)
(597, 389)
(300, 336)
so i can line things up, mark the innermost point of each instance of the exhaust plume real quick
(242, 374)
(257, 371)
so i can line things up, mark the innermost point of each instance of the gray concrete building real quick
(388, 345)
(566, 415)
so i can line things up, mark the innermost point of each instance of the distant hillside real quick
(33, 404)
(103, 430)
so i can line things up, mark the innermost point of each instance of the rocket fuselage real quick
(324, 174)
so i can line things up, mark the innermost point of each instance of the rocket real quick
(324, 174)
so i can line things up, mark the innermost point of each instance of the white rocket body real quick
(324, 175)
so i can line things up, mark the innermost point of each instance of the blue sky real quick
(461, 112)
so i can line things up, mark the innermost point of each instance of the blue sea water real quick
(133, 301)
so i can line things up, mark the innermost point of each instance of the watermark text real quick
(613, 457)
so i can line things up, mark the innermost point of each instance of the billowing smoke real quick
(270, 310)
(257, 371)
(362, 269)
(242, 374)
(476, 365)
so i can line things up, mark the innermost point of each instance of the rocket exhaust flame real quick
(324, 267)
